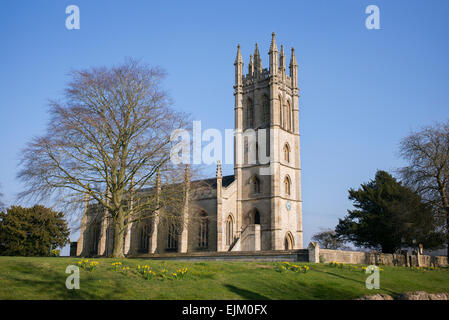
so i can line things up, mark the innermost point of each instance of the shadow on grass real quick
(394, 293)
(51, 285)
(245, 294)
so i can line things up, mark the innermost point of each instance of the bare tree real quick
(427, 151)
(2, 205)
(328, 239)
(107, 140)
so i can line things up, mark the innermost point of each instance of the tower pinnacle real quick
(282, 60)
(257, 60)
(293, 62)
(256, 51)
(238, 58)
(294, 69)
(251, 65)
(273, 53)
(273, 46)
(238, 67)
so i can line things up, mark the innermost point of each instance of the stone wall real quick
(250, 239)
(318, 255)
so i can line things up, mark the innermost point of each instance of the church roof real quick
(212, 182)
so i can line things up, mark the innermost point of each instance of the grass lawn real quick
(44, 278)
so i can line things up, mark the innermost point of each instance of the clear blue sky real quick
(361, 90)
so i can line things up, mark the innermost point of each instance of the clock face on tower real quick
(288, 205)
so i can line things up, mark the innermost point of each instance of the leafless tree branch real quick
(108, 139)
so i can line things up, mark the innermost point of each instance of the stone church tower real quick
(257, 208)
(267, 124)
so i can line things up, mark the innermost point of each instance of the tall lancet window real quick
(229, 230)
(144, 235)
(284, 124)
(172, 239)
(266, 110)
(289, 116)
(249, 113)
(287, 185)
(203, 230)
(109, 240)
(286, 152)
(96, 231)
(281, 111)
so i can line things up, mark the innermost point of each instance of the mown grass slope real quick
(44, 278)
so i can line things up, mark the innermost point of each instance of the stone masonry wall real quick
(318, 255)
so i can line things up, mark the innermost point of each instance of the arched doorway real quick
(256, 217)
(252, 217)
(289, 241)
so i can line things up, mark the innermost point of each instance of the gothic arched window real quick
(249, 113)
(144, 235)
(287, 185)
(266, 109)
(229, 230)
(96, 230)
(109, 240)
(172, 238)
(286, 152)
(203, 230)
(281, 115)
(289, 116)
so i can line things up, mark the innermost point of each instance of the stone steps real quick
(272, 255)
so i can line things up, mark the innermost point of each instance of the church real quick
(259, 207)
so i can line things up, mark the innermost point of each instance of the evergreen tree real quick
(388, 215)
(32, 231)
